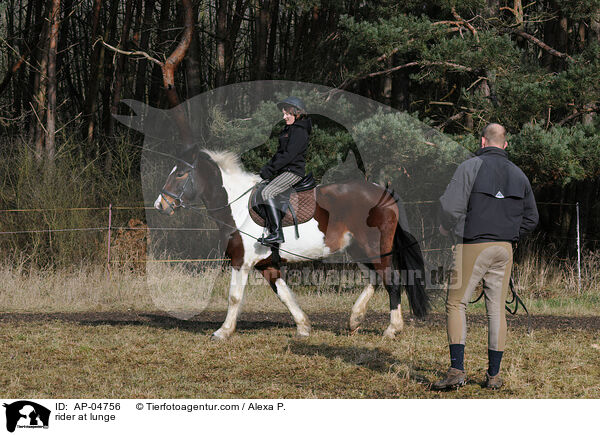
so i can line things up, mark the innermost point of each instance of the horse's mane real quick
(227, 161)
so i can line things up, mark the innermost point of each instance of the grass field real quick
(82, 334)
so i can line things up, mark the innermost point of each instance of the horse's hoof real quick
(389, 333)
(355, 322)
(218, 337)
(303, 331)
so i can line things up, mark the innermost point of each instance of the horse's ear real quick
(135, 122)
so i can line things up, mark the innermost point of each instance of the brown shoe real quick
(493, 382)
(454, 378)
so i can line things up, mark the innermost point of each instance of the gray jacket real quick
(489, 199)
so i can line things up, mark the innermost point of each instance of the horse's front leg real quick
(239, 278)
(359, 310)
(279, 286)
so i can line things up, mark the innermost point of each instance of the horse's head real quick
(179, 189)
(189, 182)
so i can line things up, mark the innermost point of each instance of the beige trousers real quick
(492, 263)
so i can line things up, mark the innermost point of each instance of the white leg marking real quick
(239, 278)
(396, 323)
(287, 297)
(360, 308)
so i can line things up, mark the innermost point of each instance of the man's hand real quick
(443, 231)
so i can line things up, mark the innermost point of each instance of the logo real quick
(26, 414)
(499, 195)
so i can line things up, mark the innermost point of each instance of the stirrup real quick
(271, 239)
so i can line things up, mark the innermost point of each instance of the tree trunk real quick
(595, 27)
(299, 37)
(192, 63)
(120, 66)
(156, 81)
(27, 45)
(40, 94)
(221, 36)
(272, 38)
(387, 81)
(400, 87)
(232, 31)
(111, 32)
(51, 119)
(169, 68)
(262, 32)
(96, 61)
(142, 66)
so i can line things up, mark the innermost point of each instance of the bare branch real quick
(541, 44)
(454, 23)
(465, 23)
(130, 53)
(12, 70)
(453, 118)
(576, 114)
(348, 82)
(476, 81)
(38, 118)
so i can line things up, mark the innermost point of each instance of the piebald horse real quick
(359, 217)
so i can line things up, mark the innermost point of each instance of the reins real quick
(515, 300)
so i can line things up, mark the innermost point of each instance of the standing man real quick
(489, 205)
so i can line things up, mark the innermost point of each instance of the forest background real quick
(65, 66)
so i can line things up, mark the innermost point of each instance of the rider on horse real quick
(286, 167)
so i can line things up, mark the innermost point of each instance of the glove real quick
(266, 173)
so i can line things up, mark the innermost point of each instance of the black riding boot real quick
(273, 224)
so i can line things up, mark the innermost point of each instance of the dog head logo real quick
(26, 414)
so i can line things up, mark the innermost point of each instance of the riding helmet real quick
(292, 101)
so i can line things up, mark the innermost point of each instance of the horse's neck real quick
(235, 185)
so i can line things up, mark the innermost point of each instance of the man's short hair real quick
(495, 134)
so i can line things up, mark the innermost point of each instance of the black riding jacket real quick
(489, 199)
(291, 153)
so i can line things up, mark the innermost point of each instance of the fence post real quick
(578, 253)
(109, 236)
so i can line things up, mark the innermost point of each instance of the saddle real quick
(298, 203)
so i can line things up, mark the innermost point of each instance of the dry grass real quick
(541, 277)
(159, 358)
(143, 353)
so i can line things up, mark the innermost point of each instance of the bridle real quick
(177, 199)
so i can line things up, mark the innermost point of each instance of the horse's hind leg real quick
(391, 280)
(239, 278)
(279, 286)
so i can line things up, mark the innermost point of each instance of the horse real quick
(358, 217)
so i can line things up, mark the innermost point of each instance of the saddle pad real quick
(304, 204)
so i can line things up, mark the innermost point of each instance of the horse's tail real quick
(408, 260)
